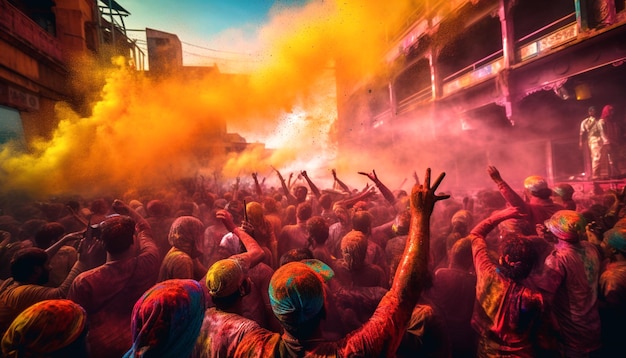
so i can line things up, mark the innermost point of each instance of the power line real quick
(214, 50)
(221, 58)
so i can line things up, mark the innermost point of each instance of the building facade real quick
(38, 42)
(498, 76)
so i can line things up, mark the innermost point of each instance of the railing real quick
(20, 26)
(407, 33)
(476, 72)
(565, 20)
(422, 96)
(558, 32)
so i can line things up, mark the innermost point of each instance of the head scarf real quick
(231, 244)
(186, 232)
(225, 277)
(564, 190)
(462, 217)
(297, 290)
(616, 238)
(166, 320)
(567, 225)
(255, 213)
(607, 112)
(44, 328)
(535, 184)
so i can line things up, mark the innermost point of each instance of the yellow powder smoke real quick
(147, 132)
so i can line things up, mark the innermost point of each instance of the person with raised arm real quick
(109, 292)
(387, 194)
(507, 312)
(298, 299)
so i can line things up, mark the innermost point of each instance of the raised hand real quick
(373, 177)
(494, 174)
(227, 219)
(423, 197)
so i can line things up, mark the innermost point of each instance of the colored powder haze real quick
(146, 132)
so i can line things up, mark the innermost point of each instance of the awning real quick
(115, 6)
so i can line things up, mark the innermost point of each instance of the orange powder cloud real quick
(147, 132)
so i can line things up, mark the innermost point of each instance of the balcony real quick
(27, 32)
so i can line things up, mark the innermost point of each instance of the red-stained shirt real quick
(221, 333)
(505, 310)
(570, 284)
(371, 340)
(109, 292)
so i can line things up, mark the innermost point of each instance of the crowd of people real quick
(203, 270)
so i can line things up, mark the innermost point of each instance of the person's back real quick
(454, 292)
(295, 236)
(108, 292)
(506, 312)
(353, 270)
(612, 295)
(186, 237)
(29, 274)
(160, 222)
(570, 284)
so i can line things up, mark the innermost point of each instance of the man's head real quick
(49, 234)
(462, 221)
(270, 205)
(354, 249)
(30, 266)
(326, 201)
(300, 192)
(362, 221)
(341, 212)
(255, 213)
(537, 186)
(318, 229)
(592, 111)
(117, 233)
(564, 191)
(186, 234)
(461, 254)
(298, 296)
(304, 212)
(567, 225)
(227, 282)
(299, 254)
(517, 258)
(614, 242)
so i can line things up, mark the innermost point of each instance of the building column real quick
(393, 101)
(508, 54)
(582, 14)
(508, 38)
(436, 87)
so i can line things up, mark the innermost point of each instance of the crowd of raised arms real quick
(197, 270)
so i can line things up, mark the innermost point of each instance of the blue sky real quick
(216, 24)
